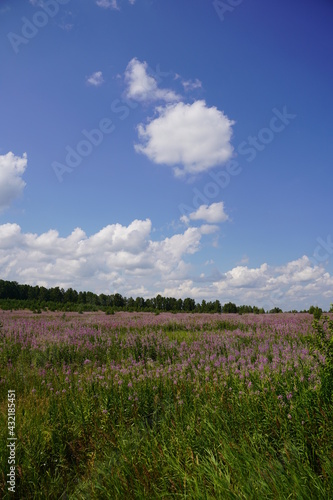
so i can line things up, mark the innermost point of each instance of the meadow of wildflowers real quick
(138, 405)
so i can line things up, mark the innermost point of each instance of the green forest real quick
(15, 296)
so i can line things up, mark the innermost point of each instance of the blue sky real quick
(181, 148)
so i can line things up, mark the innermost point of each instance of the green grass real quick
(185, 440)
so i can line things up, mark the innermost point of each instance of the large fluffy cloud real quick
(127, 260)
(143, 87)
(115, 258)
(191, 138)
(11, 183)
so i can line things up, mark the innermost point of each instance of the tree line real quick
(16, 296)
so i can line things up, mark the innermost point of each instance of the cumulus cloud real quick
(213, 214)
(96, 79)
(143, 87)
(298, 284)
(114, 258)
(242, 276)
(191, 138)
(11, 183)
(127, 260)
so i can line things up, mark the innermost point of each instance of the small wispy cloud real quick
(213, 214)
(191, 84)
(143, 87)
(244, 260)
(4, 9)
(188, 84)
(66, 27)
(111, 4)
(96, 79)
(108, 4)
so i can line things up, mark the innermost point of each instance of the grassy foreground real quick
(169, 406)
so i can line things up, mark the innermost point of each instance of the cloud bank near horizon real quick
(125, 259)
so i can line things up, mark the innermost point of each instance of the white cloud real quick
(108, 4)
(127, 260)
(213, 214)
(242, 276)
(143, 87)
(298, 271)
(11, 183)
(111, 4)
(96, 79)
(188, 84)
(66, 26)
(244, 260)
(191, 84)
(189, 135)
(298, 284)
(208, 229)
(114, 258)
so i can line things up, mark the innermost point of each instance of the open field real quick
(137, 405)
